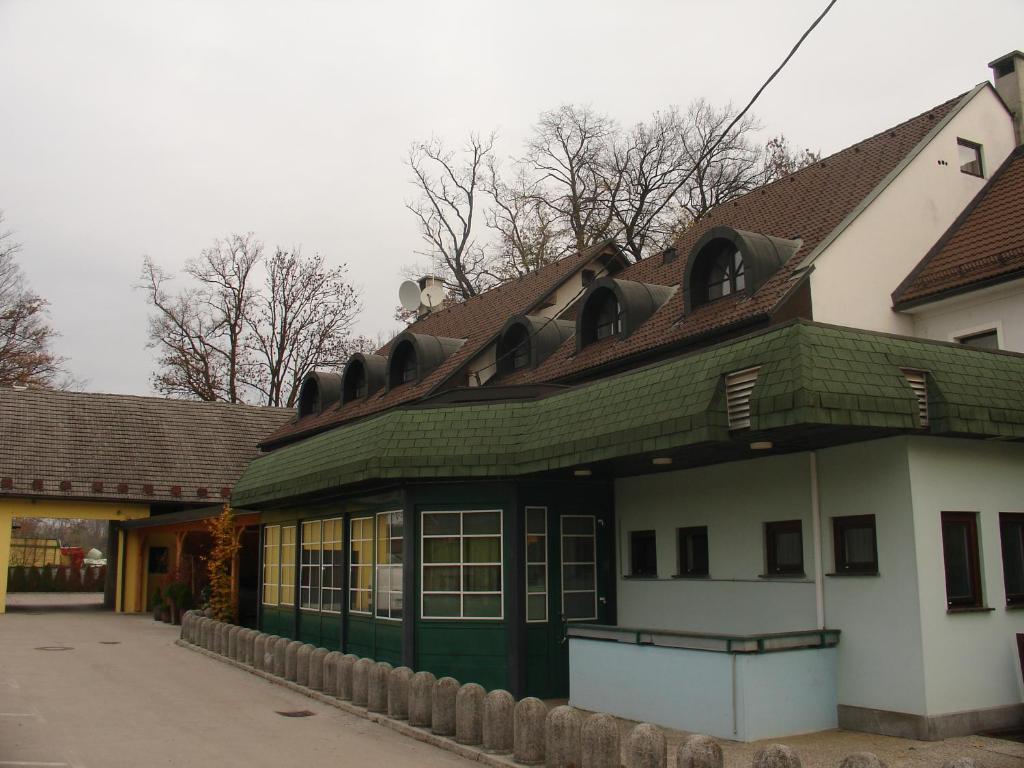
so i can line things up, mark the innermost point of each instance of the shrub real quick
(60, 578)
(17, 580)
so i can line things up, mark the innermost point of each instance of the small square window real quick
(969, 157)
(855, 545)
(962, 559)
(693, 551)
(643, 554)
(982, 340)
(158, 560)
(1011, 530)
(784, 548)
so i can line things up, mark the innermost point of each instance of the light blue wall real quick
(777, 694)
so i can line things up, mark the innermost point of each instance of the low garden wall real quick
(56, 578)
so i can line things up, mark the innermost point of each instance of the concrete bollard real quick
(599, 742)
(871, 760)
(499, 708)
(250, 646)
(280, 656)
(346, 676)
(469, 714)
(291, 660)
(377, 692)
(233, 642)
(528, 743)
(421, 699)
(317, 667)
(218, 636)
(223, 631)
(562, 738)
(205, 633)
(183, 634)
(398, 693)
(699, 751)
(302, 657)
(331, 673)
(361, 682)
(208, 613)
(776, 756)
(442, 706)
(259, 647)
(646, 747)
(194, 634)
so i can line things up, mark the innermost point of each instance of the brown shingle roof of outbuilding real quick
(478, 320)
(808, 205)
(984, 245)
(126, 448)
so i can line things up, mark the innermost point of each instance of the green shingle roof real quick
(811, 375)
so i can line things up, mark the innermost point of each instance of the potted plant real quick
(158, 605)
(180, 598)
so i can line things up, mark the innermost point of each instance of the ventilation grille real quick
(918, 381)
(738, 388)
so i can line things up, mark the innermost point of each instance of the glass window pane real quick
(441, 606)
(474, 523)
(577, 524)
(482, 578)
(535, 549)
(482, 606)
(580, 605)
(536, 608)
(482, 550)
(444, 550)
(536, 578)
(957, 548)
(440, 523)
(788, 549)
(860, 545)
(441, 578)
(536, 520)
(578, 549)
(578, 577)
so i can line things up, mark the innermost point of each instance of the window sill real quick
(969, 609)
(1015, 606)
(783, 576)
(631, 577)
(845, 574)
(693, 576)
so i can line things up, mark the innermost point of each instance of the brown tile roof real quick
(985, 244)
(125, 448)
(808, 205)
(477, 320)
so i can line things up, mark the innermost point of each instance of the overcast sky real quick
(131, 128)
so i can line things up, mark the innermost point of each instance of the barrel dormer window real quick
(526, 340)
(319, 391)
(414, 355)
(615, 308)
(363, 376)
(726, 262)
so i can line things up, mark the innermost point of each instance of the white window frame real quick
(309, 568)
(462, 565)
(351, 542)
(561, 546)
(274, 570)
(390, 566)
(995, 325)
(340, 566)
(291, 564)
(544, 563)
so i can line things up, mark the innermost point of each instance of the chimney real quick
(1008, 74)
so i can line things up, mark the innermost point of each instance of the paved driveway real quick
(125, 695)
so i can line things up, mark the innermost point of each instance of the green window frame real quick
(310, 566)
(536, 564)
(360, 564)
(388, 601)
(271, 564)
(332, 558)
(461, 569)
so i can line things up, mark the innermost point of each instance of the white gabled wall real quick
(1000, 307)
(854, 277)
(970, 659)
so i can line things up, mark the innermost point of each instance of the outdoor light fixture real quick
(761, 445)
(661, 461)
(582, 472)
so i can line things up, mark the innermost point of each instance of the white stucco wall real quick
(854, 277)
(1000, 307)
(879, 659)
(734, 501)
(970, 658)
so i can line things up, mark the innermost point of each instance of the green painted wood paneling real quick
(469, 651)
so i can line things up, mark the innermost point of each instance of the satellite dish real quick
(432, 295)
(409, 295)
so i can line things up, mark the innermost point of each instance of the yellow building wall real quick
(11, 508)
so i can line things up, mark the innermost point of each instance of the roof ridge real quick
(48, 392)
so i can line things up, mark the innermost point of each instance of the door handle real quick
(603, 600)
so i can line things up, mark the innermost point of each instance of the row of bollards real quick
(560, 737)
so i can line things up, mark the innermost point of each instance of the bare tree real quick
(576, 179)
(449, 185)
(780, 160)
(225, 337)
(302, 320)
(529, 235)
(26, 357)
